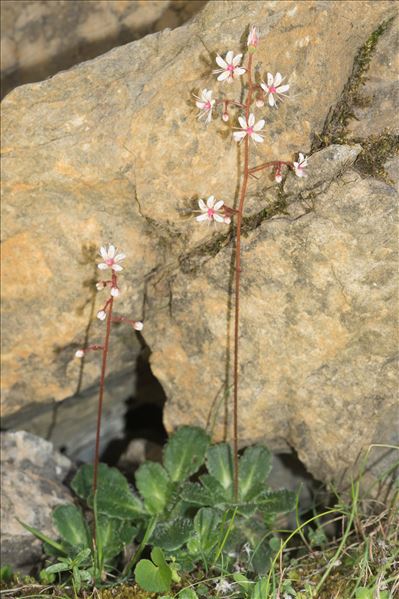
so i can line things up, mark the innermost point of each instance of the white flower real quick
(278, 177)
(79, 353)
(210, 210)
(300, 165)
(230, 68)
(138, 326)
(205, 104)
(251, 128)
(114, 291)
(101, 315)
(110, 258)
(223, 586)
(274, 88)
(253, 37)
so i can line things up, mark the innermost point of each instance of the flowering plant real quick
(231, 68)
(110, 261)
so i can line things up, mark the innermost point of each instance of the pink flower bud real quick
(225, 117)
(100, 285)
(227, 220)
(79, 353)
(138, 326)
(253, 37)
(114, 291)
(259, 103)
(278, 177)
(101, 315)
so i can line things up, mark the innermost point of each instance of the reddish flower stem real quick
(109, 304)
(255, 169)
(243, 192)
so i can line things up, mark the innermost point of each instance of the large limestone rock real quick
(111, 150)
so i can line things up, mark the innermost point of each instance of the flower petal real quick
(229, 57)
(251, 120)
(264, 87)
(102, 266)
(218, 205)
(257, 137)
(278, 79)
(237, 60)
(270, 79)
(202, 217)
(210, 201)
(238, 71)
(271, 100)
(239, 135)
(104, 253)
(283, 88)
(218, 218)
(242, 121)
(223, 76)
(259, 125)
(202, 205)
(222, 63)
(116, 267)
(119, 257)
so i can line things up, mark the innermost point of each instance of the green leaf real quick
(70, 523)
(259, 590)
(185, 452)
(55, 568)
(154, 577)
(254, 468)
(113, 534)
(260, 558)
(6, 574)
(215, 488)
(219, 461)
(114, 496)
(153, 483)
(187, 594)
(196, 494)
(42, 537)
(276, 501)
(172, 535)
(206, 525)
(242, 581)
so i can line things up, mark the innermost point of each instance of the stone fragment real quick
(32, 476)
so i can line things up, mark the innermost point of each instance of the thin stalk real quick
(102, 382)
(148, 532)
(243, 192)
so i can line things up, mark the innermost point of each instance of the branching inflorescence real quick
(110, 260)
(250, 129)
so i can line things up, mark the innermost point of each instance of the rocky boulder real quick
(111, 150)
(32, 476)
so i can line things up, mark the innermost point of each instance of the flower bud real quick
(79, 353)
(138, 325)
(278, 177)
(100, 285)
(253, 39)
(101, 315)
(114, 291)
(259, 103)
(227, 220)
(225, 116)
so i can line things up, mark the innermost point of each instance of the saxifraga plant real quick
(192, 525)
(250, 129)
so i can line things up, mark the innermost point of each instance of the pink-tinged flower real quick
(300, 165)
(79, 353)
(278, 177)
(249, 128)
(115, 291)
(230, 68)
(210, 210)
(253, 37)
(138, 325)
(101, 315)
(110, 258)
(274, 88)
(205, 104)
